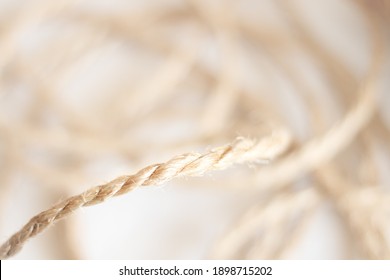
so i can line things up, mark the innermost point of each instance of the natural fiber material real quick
(191, 164)
(91, 89)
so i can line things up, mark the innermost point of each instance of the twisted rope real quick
(190, 164)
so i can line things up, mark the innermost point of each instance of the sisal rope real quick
(190, 164)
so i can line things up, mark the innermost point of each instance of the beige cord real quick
(191, 164)
(322, 149)
(266, 221)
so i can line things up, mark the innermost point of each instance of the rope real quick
(190, 164)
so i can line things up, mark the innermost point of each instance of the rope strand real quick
(190, 164)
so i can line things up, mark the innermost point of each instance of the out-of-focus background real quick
(91, 90)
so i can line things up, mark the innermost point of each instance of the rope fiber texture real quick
(189, 164)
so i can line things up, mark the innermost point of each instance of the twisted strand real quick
(190, 164)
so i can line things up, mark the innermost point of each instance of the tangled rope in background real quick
(82, 83)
